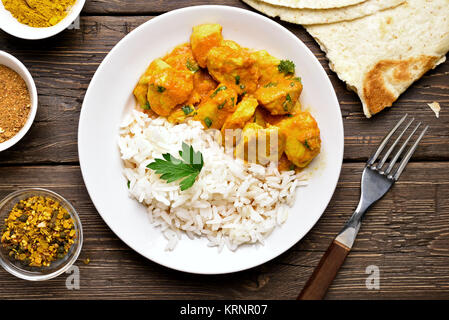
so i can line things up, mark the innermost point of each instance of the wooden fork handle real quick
(323, 275)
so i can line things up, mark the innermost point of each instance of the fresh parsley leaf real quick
(187, 109)
(128, 184)
(217, 91)
(287, 67)
(233, 100)
(160, 89)
(146, 106)
(237, 79)
(192, 66)
(288, 98)
(186, 168)
(242, 86)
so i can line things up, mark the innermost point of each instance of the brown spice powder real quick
(15, 103)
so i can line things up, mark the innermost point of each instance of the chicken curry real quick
(229, 87)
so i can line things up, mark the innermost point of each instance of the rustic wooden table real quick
(406, 234)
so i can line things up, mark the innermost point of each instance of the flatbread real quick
(323, 16)
(381, 55)
(313, 4)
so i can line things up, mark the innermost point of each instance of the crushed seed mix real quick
(38, 231)
(15, 103)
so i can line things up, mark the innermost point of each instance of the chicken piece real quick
(233, 66)
(168, 87)
(268, 66)
(280, 97)
(214, 110)
(181, 58)
(243, 113)
(181, 113)
(203, 84)
(204, 37)
(260, 145)
(231, 130)
(141, 89)
(303, 140)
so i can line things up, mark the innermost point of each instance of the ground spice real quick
(15, 103)
(39, 13)
(38, 231)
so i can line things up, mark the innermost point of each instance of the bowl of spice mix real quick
(18, 100)
(38, 19)
(40, 234)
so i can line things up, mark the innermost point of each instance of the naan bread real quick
(381, 55)
(313, 4)
(321, 16)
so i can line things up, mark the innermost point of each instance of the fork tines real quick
(388, 171)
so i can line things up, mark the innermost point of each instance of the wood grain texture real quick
(63, 66)
(140, 7)
(405, 235)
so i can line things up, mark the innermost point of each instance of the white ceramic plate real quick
(10, 24)
(109, 97)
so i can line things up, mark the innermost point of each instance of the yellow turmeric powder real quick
(39, 13)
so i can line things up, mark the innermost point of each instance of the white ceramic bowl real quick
(10, 24)
(11, 62)
(109, 97)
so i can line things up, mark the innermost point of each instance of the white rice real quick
(231, 202)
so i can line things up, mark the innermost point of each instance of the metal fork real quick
(377, 178)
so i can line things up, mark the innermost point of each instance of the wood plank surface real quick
(140, 7)
(63, 66)
(405, 235)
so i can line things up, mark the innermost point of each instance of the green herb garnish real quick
(146, 106)
(187, 109)
(270, 84)
(242, 86)
(297, 79)
(306, 143)
(128, 184)
(217, 91)
(220, 106)
(208, 122)
(160, 89)
(288, 98)
(292, 84)
(287, 67)
(232, 99)
(292, 167)
(192, 66)
(237, 79)
(186, 168)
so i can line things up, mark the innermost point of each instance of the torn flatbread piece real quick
(435, 106)
(381, 55)
(323, 16)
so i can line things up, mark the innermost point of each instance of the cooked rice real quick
(231, 203)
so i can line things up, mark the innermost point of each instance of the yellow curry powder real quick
(38, 13)
(38, 231)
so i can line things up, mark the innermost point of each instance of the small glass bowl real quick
(57, 267)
